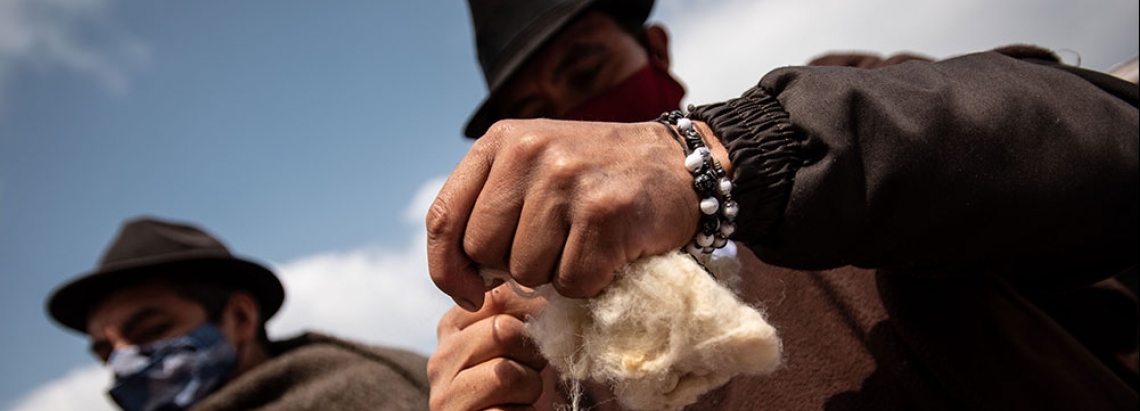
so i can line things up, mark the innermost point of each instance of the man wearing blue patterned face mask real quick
(180, 322)
(174, 372)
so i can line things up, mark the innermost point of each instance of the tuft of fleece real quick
(661, 335)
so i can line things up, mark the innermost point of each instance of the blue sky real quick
(311, 136)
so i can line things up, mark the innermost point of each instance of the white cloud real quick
(72, 34)
(721, 48)
(370, 294)
(81, 389)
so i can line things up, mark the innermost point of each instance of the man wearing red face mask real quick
(985, 284)
(603, 65)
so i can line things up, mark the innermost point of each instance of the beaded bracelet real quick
(718, 210)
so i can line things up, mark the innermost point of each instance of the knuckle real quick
(479, 248)
(440, 223)
(499, 129)
(529, 145)
(437, 401)
(508, 374)
(586, 281)
(442, 364)
(447, 324)
(600, 207)
(434, 369)
(440, 384)
(489, 142)
(442, 329)
(563, 165)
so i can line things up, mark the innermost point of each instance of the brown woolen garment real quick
(318, 372)
(840, 350)
(864, 60)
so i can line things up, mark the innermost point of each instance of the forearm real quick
(929, 163)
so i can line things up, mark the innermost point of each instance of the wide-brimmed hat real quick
(508, 32)
(146, 248)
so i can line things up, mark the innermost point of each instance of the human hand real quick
(561, 202)
(484, 360)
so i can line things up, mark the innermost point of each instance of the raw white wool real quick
(663, 333)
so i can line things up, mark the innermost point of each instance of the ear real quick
(241, 319)
(657, 40)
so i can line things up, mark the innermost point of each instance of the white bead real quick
(704, 240)
(704, 152)
(684, 124)
(727, 229)
(694, 249)
(720, 242)
(694, 162)
(709, 205)
(725, 186)
(730, 210)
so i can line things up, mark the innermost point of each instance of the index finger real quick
(451, 269)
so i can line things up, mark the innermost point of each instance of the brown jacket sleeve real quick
(980, 158)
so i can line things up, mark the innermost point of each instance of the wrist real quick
(711, 182)
(719, 151)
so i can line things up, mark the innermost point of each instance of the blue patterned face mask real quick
(171, 374)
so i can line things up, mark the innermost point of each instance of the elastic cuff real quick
(765, 152)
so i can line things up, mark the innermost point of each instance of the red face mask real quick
(642, 96)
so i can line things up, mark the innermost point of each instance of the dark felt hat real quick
(508, 32)
(146, 248)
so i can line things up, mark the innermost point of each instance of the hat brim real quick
(486, 114)
(71, 304)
